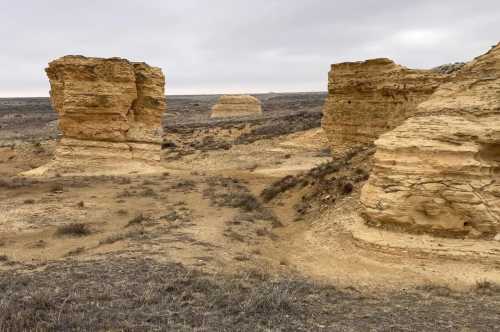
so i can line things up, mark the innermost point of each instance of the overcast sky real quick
(231, 46)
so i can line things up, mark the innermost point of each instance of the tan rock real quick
(244, 105)
(366, 99)
(105, 105)
(440, 170)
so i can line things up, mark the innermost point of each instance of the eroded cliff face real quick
(244, 105)
(107, 107)
(369, 98)
(440, 170)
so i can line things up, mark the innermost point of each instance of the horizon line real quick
(203, 94)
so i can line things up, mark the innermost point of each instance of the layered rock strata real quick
(366, 99)
(229, 106)
(108, 108)
(440, 170)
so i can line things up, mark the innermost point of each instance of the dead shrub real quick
(113, 238)
(244, 201)
(75, 252)
(137, 220)
(234, 236)
(56, 188)
(123, 180)
(347, 188)
(278, 187)
(487, 287)
(148, 192)
(185, 185)
(75, 229)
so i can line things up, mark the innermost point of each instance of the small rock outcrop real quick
(440, 170)
(449, 68)
(229, 106)
(108, 108)
(366, 99)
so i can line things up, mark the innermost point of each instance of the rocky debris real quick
(366, 99)
(440, 170)
(244, 105)
(108, 108)
(449, 68)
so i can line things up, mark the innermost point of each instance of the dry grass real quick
(143, 295)
(56, 187)
(278, 187)
(133, 234)
(137, 220)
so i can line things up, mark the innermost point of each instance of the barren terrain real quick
(248, 225)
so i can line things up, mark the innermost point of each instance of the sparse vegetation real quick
(185, 185)
(231, 193)
(234, 235)
(113, 238)
(325, 183)
(148, 192)
(104, 291)
(74, 229)
(56, 187)
(278, 187)
(141, 294)
(16, 182)
(137, 220)
(122, 236)
(487, 286)
(122, 212)
(75, 252)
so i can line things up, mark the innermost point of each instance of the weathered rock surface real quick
(108, 108)
(449, 68)
(244, 105)
(369, 98)
(440, 170)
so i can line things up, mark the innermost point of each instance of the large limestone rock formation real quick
(440, 170)
(228, 106)
(108, 108)
(369, 98)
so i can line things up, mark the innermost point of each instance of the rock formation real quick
(108, 108)
(440, 170)
(369, 98)
(228, 106)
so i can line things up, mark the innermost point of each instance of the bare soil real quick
(250, 226)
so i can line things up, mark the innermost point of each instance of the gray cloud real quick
(240, 46)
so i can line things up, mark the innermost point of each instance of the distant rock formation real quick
(366, 99)
(108, 108)
(440, 170)
(228, 106)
